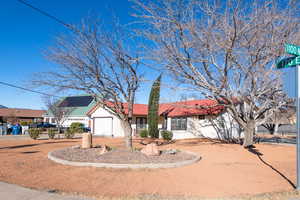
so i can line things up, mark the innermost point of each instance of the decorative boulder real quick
(97, 146)
(104, 150)
(86, 140)
(171, 151)
(151, 140)
(151, 150)
(76, 147)
(146, 141)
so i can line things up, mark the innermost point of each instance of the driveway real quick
(279, 140)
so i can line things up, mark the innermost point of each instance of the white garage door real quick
(103, 126)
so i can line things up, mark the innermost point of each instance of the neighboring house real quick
(186, 119)
(78, 106)
(282, 122)
(13, 115)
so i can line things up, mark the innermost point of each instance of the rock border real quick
(127, 166)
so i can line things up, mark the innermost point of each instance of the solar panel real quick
(76, 101)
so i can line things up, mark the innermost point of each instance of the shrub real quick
(69, 133)
(51, 133)
(167, 135)
(34, 133)
(77, 127)
(144, 133)
(24, 123)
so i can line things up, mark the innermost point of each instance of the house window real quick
(141, 122)
(52, 120)
(47, 120)
(178, 123)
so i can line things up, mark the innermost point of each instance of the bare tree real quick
(58, 113)
(225, 50)
(97, 59)
(283, 116)
(225, 128)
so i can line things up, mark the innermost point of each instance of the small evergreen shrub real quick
(34, 133)
(167, 135)
(144, 133)
(51, 133)
(69, 133)
(77, 127)
(24, 123)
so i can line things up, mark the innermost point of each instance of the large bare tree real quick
(225, 50)
(97, 59)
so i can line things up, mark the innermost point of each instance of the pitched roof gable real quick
(80, 105)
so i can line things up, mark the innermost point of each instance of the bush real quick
(69, 133)
(34, 133)
(144, 133)
(167, 135)
(24, 123)
(77, 127)
(51, 133)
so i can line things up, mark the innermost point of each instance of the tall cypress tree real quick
(153, 106)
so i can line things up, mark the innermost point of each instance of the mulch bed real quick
(119, 156)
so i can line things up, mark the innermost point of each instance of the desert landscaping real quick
(150, 100)
(25, 162)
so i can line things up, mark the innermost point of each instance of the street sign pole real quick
(294, 62)
(298, 124)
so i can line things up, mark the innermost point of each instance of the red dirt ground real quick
(224, 170)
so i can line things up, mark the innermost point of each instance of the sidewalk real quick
(15, 192)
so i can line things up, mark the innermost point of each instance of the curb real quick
(127, 166)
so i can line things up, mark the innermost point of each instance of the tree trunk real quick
(249, 134)
(58, 130)
(276, 128)
(127, 124)
(127, 134)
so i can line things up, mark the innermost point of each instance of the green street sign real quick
(288, 62)
(292, 49)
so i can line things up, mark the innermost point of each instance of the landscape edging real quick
(128, 166)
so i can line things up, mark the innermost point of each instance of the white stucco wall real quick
(194, 129)
(117, 130)
(197, 128)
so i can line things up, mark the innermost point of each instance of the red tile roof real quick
(182, 108)
(191, 107)
(18, 112)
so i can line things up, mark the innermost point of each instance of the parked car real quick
(42, 125)
(46, 125)
(86, 129)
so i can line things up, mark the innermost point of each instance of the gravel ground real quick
(226, 171)
(118, 156)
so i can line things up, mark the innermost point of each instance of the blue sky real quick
(25, 33)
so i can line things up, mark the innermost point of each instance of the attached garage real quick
(103, 126)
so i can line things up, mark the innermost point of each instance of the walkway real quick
(15, 192)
